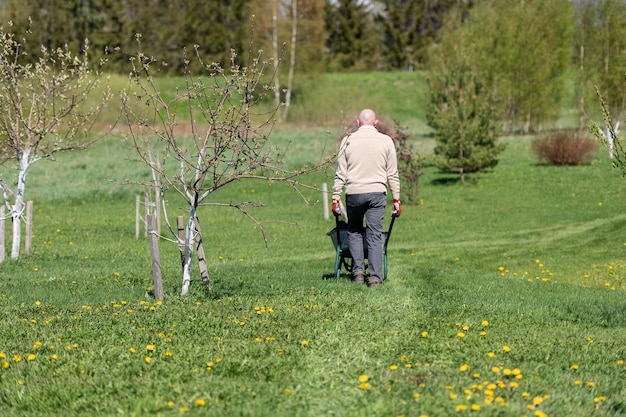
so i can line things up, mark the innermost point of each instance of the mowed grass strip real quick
(505, 297)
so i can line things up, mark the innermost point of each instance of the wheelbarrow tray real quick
(343, 258)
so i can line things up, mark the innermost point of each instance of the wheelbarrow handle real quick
(393, 219)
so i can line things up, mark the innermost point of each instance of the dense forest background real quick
(531, 53)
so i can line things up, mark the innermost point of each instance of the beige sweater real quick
(367, 163)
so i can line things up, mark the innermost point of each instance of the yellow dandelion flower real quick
(168, 354)
(461, 407)
(31, 357)
(506, 348)
(574, 367)
(183, 409)
(424, 334)
(200, 402)
(485, 323)
(170, 404)
(591, 384)
(475, 407)
(150, 348)
(416, 395)
(364, 385)
(464, 367)
(304, 342)
(288, 391)
(5, 364)
(17, 357)
(54, 357)
(495, 369)
(148, 359)
(133, 350)
(363, 378)
(460, 334)
(393, 367)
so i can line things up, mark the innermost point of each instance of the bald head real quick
(367, 117)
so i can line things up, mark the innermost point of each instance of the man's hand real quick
(336, 208)
(397, 208)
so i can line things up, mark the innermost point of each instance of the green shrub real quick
(564, 147)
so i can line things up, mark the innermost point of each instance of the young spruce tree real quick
(464, 117)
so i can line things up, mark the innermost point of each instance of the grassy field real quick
(505, 297)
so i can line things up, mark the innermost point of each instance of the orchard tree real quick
(47, 105)
(609, 136)
(225, 142)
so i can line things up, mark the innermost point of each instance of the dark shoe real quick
(358, 277)
(373, 281)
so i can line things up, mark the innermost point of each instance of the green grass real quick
(518, 273)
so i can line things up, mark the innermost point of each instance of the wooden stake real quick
(204, 271)
(137, 215)
(325, 201)
(28, 239)
(156, 258)
(180, 225)
(146, 208)
(1, 234)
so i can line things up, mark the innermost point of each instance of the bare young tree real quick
(225, 139)
(608, 136)
(46, 107)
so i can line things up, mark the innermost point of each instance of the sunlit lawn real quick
(505, 297)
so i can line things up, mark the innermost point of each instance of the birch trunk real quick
(275, 51)
(292, 56)
(18, 207)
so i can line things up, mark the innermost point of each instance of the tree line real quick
(333, 35)
(525, 51)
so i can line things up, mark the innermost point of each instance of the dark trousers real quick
(371, 207)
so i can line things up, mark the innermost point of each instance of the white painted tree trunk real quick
(188, 251)
(18, 206)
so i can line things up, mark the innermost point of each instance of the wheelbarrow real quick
(343, 258)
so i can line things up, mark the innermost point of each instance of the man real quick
(366, 164)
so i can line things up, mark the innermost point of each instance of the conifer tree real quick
(464, 117)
